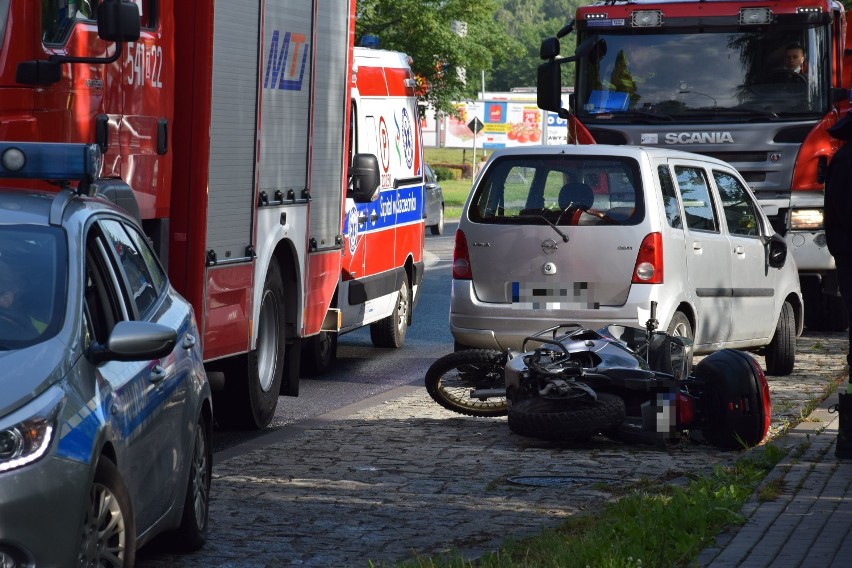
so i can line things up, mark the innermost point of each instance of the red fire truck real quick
(714, 78)
(235, 124)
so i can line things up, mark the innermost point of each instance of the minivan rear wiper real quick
(546, 220)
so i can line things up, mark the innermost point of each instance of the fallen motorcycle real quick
(569, 383)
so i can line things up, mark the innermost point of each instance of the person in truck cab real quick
(794, 58)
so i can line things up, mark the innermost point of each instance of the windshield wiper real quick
(635, 113)
(546, 220)
(714, 111)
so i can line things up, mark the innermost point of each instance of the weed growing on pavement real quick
(818, 346)
(650, 525)
(771, 490)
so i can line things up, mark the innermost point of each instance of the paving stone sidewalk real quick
(398, 476)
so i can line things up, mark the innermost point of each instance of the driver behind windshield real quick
(14, 322)
(794, 58)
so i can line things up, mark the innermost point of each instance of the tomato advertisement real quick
(506, 124)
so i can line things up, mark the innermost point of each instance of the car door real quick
(753, 283)
(708, 254)
(148, 398)
(433, 200)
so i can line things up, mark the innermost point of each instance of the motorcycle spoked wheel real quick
(732, 404)
(574, 420)
(450, 380)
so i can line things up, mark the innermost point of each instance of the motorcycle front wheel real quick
(575, 420)
(469, 382)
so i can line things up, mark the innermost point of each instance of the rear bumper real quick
(491, 325)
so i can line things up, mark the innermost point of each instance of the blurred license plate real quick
(550, 296)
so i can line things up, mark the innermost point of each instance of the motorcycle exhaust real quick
(483, 394)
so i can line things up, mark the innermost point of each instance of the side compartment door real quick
(708, 254)
(753, 312)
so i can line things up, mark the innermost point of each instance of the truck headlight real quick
(25, 435)
(806, 219)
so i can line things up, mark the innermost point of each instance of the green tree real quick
(425, 30)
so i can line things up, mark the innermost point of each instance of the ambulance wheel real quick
(318, 353)
(390, 331)
(781, 351)
(253, 381)
(734, 402)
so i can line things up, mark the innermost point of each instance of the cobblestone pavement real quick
(400, 477)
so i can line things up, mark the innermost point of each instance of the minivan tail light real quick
(461, 258)
(649, 261)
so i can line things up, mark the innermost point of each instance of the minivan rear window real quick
(559, 189)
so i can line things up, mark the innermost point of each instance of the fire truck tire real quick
(566, 421)
(781, 351)
(390, 331)
(733, 409)
(253, 381)
(318, 353)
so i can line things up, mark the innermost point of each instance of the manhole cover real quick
(559, 480)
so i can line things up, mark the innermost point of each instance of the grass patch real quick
(651, 525)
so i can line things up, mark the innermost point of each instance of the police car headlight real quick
(806, 219)
(26, 434)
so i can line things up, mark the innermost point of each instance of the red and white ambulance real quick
(240, 132)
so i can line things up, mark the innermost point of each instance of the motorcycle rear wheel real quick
(451, 379)
(566, 420)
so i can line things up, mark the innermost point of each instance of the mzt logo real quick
(285, 65)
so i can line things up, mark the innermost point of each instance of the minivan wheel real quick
(781, 351)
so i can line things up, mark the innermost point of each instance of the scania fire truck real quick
(710, 77)
(235, 125)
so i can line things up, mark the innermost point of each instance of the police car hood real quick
(26, 373)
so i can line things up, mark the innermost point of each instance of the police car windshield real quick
(33, 283)
(739, 70)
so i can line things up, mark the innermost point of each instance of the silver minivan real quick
(594, 234)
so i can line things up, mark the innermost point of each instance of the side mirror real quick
(135, 341)
(776, 250)
(118, 21)
(549, 48)
(364, 178)
(549, 86)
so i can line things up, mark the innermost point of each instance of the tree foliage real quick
(447, 63)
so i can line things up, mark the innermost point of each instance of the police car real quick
(105, 409)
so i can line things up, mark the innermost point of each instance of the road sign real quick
(475, 125)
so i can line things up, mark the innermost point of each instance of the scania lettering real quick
(710, 77)
(699, 138)
(234, 125)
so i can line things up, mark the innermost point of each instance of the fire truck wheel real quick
(318, 353)
(253, 381)
(390, 331)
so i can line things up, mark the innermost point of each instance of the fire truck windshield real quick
(709, 76)
(4, 15)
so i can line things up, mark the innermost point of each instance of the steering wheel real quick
(786, 76)
(14, 325)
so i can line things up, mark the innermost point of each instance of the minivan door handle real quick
(738, 250)
(696, 246)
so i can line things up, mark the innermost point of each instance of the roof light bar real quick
(57, 162)
(596, 16)
(647, 18)
(809, 10)
(755, 16)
